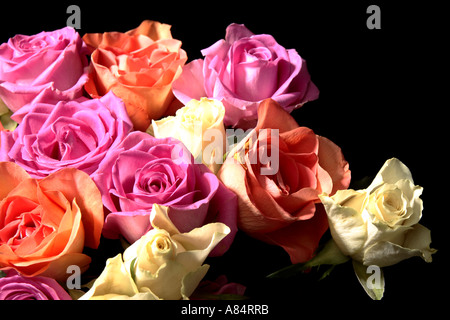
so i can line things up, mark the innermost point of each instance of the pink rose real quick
(144, 170)
(17, 287)
(243, 70)
(47, 67)
(69, 134)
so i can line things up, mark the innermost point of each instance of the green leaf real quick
(125, 244)
(329, 255)
(133, 269)
(288, 271)
(2, 274)
(371, 279)
(327, 272)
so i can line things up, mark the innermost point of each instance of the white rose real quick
(162, 264)
(199, 125)
(379, 225)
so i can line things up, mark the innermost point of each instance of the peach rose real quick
(139, 66)
(279, 199)
(45, 224)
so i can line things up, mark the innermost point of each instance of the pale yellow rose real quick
(199, 125)
(379, 225)
(162, 264)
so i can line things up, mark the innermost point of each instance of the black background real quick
(381, 96)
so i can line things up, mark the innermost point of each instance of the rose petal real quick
(190, 84)
(58, 268)
(236, 31)
(232, 174)
(130, 225)
(392, 171)
(300, 239)
(224, 214)
(114, 280)
(271, 115)
(347, 225)
(384, 253)
(251, 79)
(152, 29)
(332, 161)
(75, 184)
(12, 175)
(17, 287)
(300, 140)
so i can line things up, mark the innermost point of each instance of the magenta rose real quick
(46, 67)
(74, 134)
(243, 70)
(145, 170)
(17, 287)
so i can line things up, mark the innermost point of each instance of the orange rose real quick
(139, 66)
(45, 224)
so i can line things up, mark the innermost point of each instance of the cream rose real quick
(162, 264)
(379, 225)
(199, 125)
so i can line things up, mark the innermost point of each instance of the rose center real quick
(160, 246)
(260, 53)
(157, 182)
(22, 222)
(156, 186)
(71, 141)
(389, 206)
(155, 178)
(283, 187)
(31, 46)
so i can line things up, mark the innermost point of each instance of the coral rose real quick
(282, 206)
(45, 224)
(139, 66)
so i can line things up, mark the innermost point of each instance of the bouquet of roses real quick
(115, 136)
